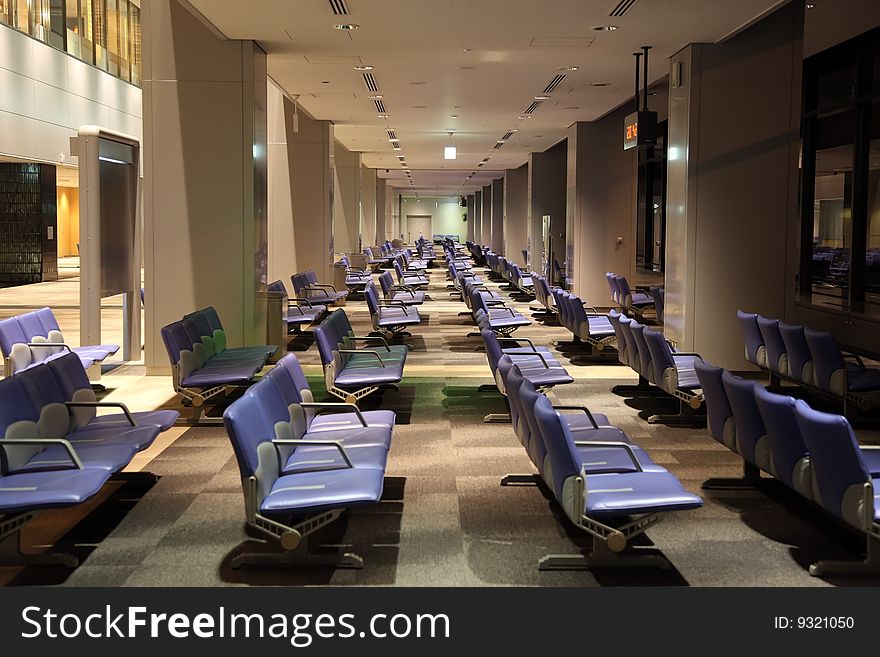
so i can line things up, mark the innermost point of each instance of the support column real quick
(732, 182)
(368, 207)
(546, 191)
(470, 217)
(486, 215)
(282, 250)
(204, 176)
(516, 213)
(478, 218)
(382, 211)
(310, 150)
(498, 217)
(347, 200)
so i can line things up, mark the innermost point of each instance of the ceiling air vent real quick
(507, 135)
(554, 84)
(371, 83)
(392, 134)
(339, 8)
(622, 7)
(380, 106)
(533, 107)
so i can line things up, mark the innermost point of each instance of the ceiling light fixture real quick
(568, 68)
(363, 67)
(599, 84)
(375, 96)
(397, 147)
(604, 28)
(454, 116)
(542, 97)
(524, 116)
(346, 26)
(382, 116)
(450, 153)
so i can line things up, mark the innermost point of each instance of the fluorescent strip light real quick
(449, 153)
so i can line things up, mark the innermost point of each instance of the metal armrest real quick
(39, 442)
(103, 404)
(686, 353)
(608, 443)
(856, 357)
(363, 351)
(292, 306)
(324, 285)
(529, 355)
(371, 337)
(336, 407)
(317, 443)
(586, 410)
(300, 300)
(48, 344)
(526, 340)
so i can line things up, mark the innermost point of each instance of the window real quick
(840, 176)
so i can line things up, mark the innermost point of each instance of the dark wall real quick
(28, 224)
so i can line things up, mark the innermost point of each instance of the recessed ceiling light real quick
(571, 108)
(375, 96)
(397, 147)
(599, 84)
(513, 130)
(604, 28)
(454, 116)
(363, 67)
(420, 106)
(568, 68)
(325, 81)
(524, 116)
(809, 5)
(542, 97)
(382, 116)
(418, 83)
(467, 49)
(346, 26)
(465, 68)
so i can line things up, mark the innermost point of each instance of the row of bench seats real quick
(202, 365)
(306, 285)
(606, 485)
(815, 454)
(56, 451)
(390, 317)
(586, 323)
(509, 271)
(634, 303)
(355, 277)
(351, 373)
(647, 352)
(34, 337)
(395, 292)
(298, 311)
(300, 467)
(810, 358)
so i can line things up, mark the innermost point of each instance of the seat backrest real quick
(632, 347)
(478, 302)
(493, 349)
(645, 368)
(399, 270)
(293, 371)
(612, 286)
(371, 296)
(512, 384)
(661, 355)
(746, 416)
(326, 346)
(277, 287)
(311, 276)
(564, 460)
(755, 350)
(659, 295)
(828, 364)
(623, 289)
(248, 428)
(622, 353)
(387, 283)
(843, 483)
(176, 340)
(800, 362)
(719, 415)
(580, 323)
(18, 419)
(779, 414)
(528, 396)
(776, 358)
(299, 284)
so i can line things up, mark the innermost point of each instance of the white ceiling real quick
(483, 60)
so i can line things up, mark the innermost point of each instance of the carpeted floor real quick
(444, 519)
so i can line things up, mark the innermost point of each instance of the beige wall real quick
(516, 212)
(68, 221)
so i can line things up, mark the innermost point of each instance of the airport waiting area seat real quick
(55, 451)
(202, 364)
(390, 317)
(809, 358)
(495, 315)
(586, 323)
(376, 260)
(606, 485)
(632, 303)
(34, 337)
(393, 292)
(298, 477)
(306, 286)
(411, 280)
(350, 373)
(355, 277)
(544, 296)
(298, 311)
(537, 364)
(813, 453)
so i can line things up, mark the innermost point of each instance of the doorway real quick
(418, 225)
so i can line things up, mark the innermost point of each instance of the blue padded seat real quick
(409, 279)
(751, 434)
(540, 368)
(832, 373)
(594, 329)
(394, 292)
(789, 455)
(17, 333)
(777, 360)
(645, 366)
(497, 316)
(797, 353)
(389, 316)
(672, 370)
(755, 350)
(298, 311)
(719, 414)
(49, 489)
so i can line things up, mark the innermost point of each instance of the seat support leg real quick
(642, 387)
(750, 480)
(520, 480)
(602, 557)
(497, 418)
(10, 547)
(869, 565)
